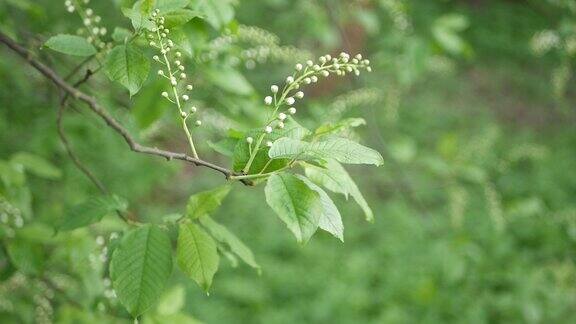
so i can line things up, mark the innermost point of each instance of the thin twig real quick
(103, 113)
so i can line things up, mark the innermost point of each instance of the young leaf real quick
(341, 149)
(127, 65)
(242, 150)
(26, 256)
(71, 45)
(180, 17)
(91, 211)
(141, 267)
(137, 17)
(166, 6)
(330, 221)
(206, 202)
(218, 12)
(336, 179)
(338, 127)
(197, 254)
(295, 203)
(36, 165)
(223, 235)
(121, 34)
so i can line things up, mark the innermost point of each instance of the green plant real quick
(141, 258)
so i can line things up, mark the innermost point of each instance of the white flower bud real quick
(193, 109)
(198, 123)
(185, 97)
(290, 101)
(165, 94)
(328, 57)
(173, 82)
(289, 80)
(163, 34)
(369, 69)
(89, 12)
(349, 69)
(280, 125)
(160, 72)
(249, 140)
(183, 115)
(269, 144)
(67, 3)
(299, 67)
(292, 110)
(355, 61)
(87, 22)
(103, 31)
(282, 116)
(163, 51)
(268, 100)
(274, 89)
(167, 31)
(189, 87)
(181, 67)
(177, 62)
(359, 56)
(70, 9)
(299, 94)
(307, 80)
(178, 54)
(309, 63)
(325, 73)
(316, 67)
(357, 72)
(268, 129)
(322, 59)
(314, 78)
(95, 30)
(97, 19)
(336, 65)
(183, 75)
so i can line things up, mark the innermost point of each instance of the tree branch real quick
(103, 113)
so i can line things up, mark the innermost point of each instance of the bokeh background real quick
(471, 103)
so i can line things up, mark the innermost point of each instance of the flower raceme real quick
(282, 102)
(172, 69)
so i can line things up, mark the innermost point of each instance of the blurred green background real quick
(471, 103)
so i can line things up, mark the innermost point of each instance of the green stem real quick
(176, 97)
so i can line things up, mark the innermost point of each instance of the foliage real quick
(452, 149)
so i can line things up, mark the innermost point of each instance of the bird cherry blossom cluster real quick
(282, 101)
(254, 45)
(90, 21)
(174, 71)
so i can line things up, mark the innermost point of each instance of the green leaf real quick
(341, 149)
(146, 6)
(242, 151)
(206, 202)
(36, 165)
(120, 35)
(336, 179)
(166, 6)
(141, 267)
(71, 45)
(337, 127)
(148, 106)
(138, 19)
(180, 17)
(218, 12)
(197, 254)
(230, 80)
(225, 147)
(223, 235)
(295, 203)
(26, 256)
(172, 301)
(91, 211)
(127, 65)
(330, 221)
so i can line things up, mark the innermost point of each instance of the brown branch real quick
(108, 119)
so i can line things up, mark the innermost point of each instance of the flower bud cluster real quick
(355, 98)
(10, 217)
(92, 23)
(283, 101)
(172, 67)
(252, 45)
